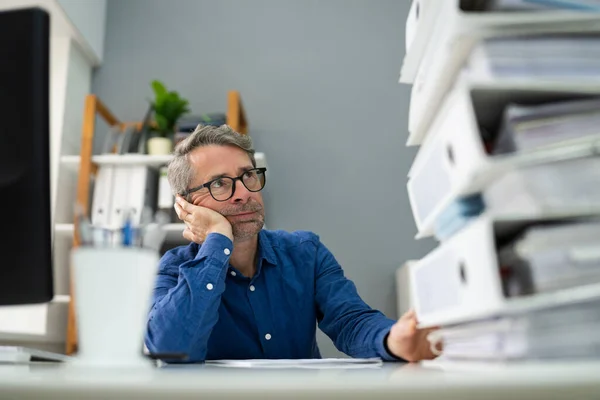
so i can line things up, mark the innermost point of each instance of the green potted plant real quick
(168, 107)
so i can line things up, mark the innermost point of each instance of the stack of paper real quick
(527, 127)
(533, 5)
(557, 184)
(560, 187)
(505, 105)
(552, 57)
(567, 331)
(317, 363)
(551, 257)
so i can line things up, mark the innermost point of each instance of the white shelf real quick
(174, 231)
(117, 159)
(134, 159)
(64, 229)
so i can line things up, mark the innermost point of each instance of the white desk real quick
(392, 381)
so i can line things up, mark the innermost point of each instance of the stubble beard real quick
(246, 229)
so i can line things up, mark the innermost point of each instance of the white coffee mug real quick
(113, 289)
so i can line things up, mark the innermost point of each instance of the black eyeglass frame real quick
(260, 170)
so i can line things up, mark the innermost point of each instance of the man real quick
(239, 291)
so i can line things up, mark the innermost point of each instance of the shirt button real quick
(268, 336)
(227, 252)
(233, 273)
(252, 288)
(209, 286)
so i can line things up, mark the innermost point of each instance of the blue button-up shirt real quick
(204, 307)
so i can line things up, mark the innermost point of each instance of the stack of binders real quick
(505, 110)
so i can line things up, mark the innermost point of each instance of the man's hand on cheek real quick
(201, 221)
(407, 341)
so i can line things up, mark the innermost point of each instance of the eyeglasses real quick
(223, 188)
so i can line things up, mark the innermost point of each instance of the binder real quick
(435, 24)
(142, 191)
(447, 64)
(120, 196)
(102, 197)
(462, 280)
(412, 24)
(166, 199)
(455, 162)
(556, 332)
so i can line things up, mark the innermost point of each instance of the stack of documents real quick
(545, 182)
(548, 302)
(526, 127)
(551, 57)
(547, 258)
(532, 5)
(567, 331)
(505, 105)
(553, 188)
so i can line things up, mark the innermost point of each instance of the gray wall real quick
(319, 81)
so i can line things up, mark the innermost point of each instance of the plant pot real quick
(160, 146)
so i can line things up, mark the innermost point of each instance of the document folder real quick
(456, 160)
(463, 279)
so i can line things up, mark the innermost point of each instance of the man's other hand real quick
(407, 341)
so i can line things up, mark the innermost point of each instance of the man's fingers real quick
(410, 314)
(178, 210)
(183, 215)
(188, 207)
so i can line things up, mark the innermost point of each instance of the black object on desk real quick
(25, 196)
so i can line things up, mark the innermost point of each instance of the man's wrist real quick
(389, 351)
(223, 230)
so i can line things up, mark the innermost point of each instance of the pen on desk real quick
(128, 231)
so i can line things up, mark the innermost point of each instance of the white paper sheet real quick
(322, 363)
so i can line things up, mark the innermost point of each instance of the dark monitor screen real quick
(25, 219)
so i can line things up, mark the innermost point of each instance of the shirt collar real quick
(265, 248)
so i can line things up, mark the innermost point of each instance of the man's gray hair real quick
(180, 172)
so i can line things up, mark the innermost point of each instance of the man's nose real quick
(241, 194)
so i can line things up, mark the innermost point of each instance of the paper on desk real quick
(317, 363)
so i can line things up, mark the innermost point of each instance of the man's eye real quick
(250, 175)
(218, 183)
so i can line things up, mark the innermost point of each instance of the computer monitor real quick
(25, 216)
